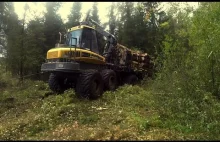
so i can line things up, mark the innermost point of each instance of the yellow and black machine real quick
(78, 63)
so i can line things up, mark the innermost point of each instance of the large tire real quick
(56, 84)
(90, 85)
(110, 79)
(131, 79)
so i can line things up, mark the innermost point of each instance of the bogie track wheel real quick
(131, 79)
(110, 79)
(90, 85)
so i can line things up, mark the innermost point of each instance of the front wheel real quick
(56, 84)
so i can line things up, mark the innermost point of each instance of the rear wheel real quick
(110, 79)
(131, 79)
(90, 85)
(56, 84)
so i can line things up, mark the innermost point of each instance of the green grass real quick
(141, 112)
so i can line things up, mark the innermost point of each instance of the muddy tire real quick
(90, 85)
(131, 79)
(110, 79)
(56, 84)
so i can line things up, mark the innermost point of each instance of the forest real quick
(179, 102)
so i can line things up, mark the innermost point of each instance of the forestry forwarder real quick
(78, 63)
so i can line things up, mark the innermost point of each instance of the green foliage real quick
(24, 44)
(52, 26)
(34, 54)
(189, 51)
(75, 15)
(205, 22)
(11, 27)
(126, 25)
(190, 70)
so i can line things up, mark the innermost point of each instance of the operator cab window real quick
(74, 34)
(89, 40)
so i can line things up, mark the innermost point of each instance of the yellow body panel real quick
(90, 57)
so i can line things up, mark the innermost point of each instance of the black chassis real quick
(72, 69)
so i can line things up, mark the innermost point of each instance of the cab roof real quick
(79, 27)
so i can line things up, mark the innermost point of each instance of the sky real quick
(64, 10)
(37, 9)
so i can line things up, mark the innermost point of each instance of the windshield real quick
(86, 39)
(74, 34)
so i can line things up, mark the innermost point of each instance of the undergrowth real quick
(152, 110)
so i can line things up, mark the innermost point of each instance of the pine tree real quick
(75, 15)
(154, 36)
(2, 25)
(2, 8)
(140, 39)
(53, 25)
(12, 29)
(94, 13)
(21, 45)
(112, 19)
(34, 46)
(126, 23)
